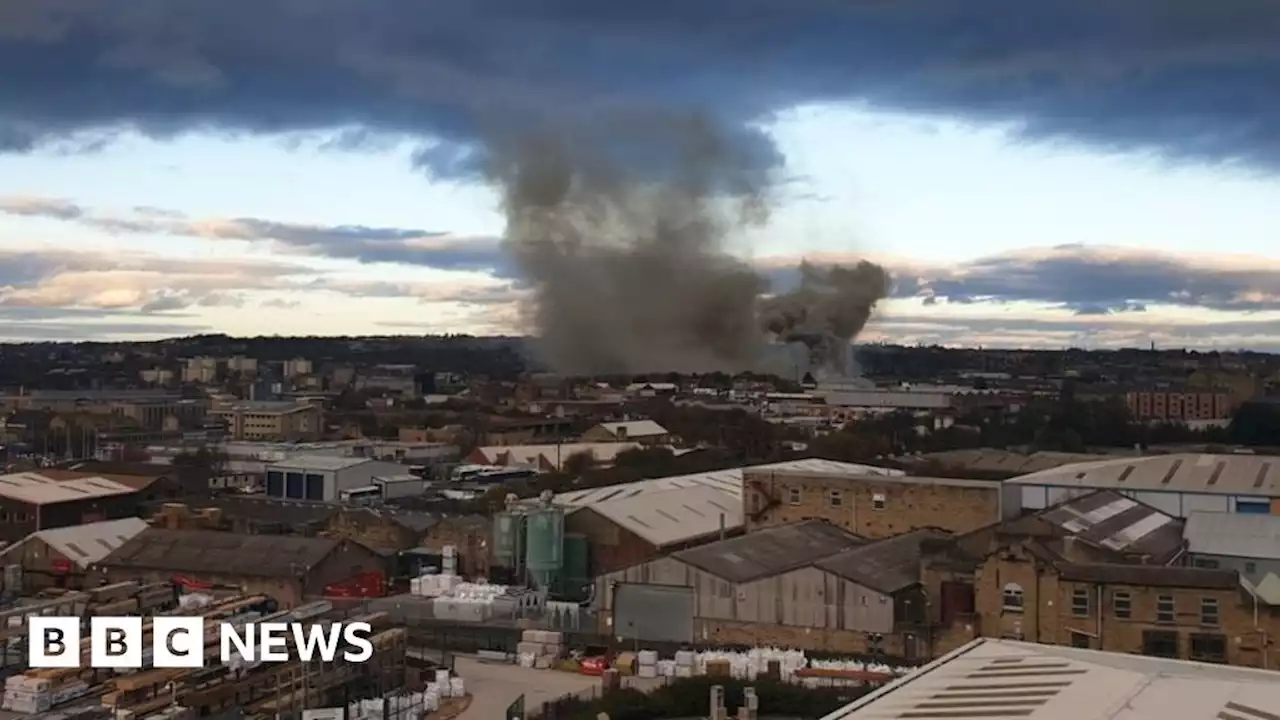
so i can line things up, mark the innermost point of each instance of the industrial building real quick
(550, 457)
(868, 501)
(1176, 484)
(1247, 544)
(324, 478)
(808, 585)
(1008, 679)
(281, 567)
(271, 420)
(31, 501)
(61, 557)
(645, 432)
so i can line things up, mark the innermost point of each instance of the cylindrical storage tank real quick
(508, 532)
(544, 544)
(577, 562)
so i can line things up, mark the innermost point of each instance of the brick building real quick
(1179, 406)
(422, 535)
(61, 557)
(873, 503)
(1096, 572)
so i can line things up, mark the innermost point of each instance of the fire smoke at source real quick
(620, 229)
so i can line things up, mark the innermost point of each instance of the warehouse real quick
(285, 568)
(1175, 484)
(625, 525)
(324, 477)
(808, 585)
(31, 501)
(868, 501)
(61, 557)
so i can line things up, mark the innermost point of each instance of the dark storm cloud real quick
(356, 242)
(1182, 78)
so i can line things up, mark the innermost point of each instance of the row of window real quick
(835, 498)
(1250, 567)
(1121, 605)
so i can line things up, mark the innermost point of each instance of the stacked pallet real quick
(540, 648)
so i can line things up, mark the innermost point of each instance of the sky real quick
(1086, 173)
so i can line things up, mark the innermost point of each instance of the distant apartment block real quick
(295, 367)
(1175, 406)
(271, 420)
(157, 376)
(200, 370)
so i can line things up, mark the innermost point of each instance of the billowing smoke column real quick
(620, 230)
(826, 311)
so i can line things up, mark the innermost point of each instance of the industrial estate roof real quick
(553, 454)
(636, 428)
(995, 460)
(87, 544)
(1234, 534)
(36, 489)
(1187, 472)
(320, 462)
(1114, 522)
(886, 566)
(1005, 679)
(672, 510)
(221, 553)
(771, 551)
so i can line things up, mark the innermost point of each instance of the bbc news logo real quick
(179, 642)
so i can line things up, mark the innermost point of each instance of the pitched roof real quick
(36, 488)
(887, 565)
(771, 551)
(1054, 682)
(1111, 521)
(223, 553)
(635, 428)
(1186, 472)
(87, 544)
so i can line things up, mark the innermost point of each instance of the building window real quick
(1206, 563)
(1012, 597)
(877, 501)
(1164, 609)
(1251, 567)
(1079, 640)
(1122, 605)
(1160, 643)
(836, 498)
(795, 496)
(1209, 611)
(1208, 648)
(1080, 603)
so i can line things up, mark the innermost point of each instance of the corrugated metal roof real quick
(319, 462)
(1235, 534)
(36, 489)
(223, 553)
(1112, 521)
(1006, 679)
(87, 544)
(771, 551)
(553, 454)
(1188, 472)
(887, 565)
(671, 510)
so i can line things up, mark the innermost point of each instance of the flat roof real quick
(1257, 475)
(992, 678)
(1242, 535)
(36, 489)
(319, 462)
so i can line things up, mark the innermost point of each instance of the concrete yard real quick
(493, 687)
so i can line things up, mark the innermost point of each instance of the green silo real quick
(544, 545)
(508, 538)
(577, 565)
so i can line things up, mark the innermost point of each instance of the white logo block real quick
(115, 642)
(178, 642)
(53, 642)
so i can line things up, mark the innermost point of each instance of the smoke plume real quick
(621, 230)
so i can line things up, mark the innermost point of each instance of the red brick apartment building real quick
(1174, 405)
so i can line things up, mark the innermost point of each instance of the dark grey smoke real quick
(621, 230)
(826, 311)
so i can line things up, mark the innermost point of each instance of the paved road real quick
(493, 687)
